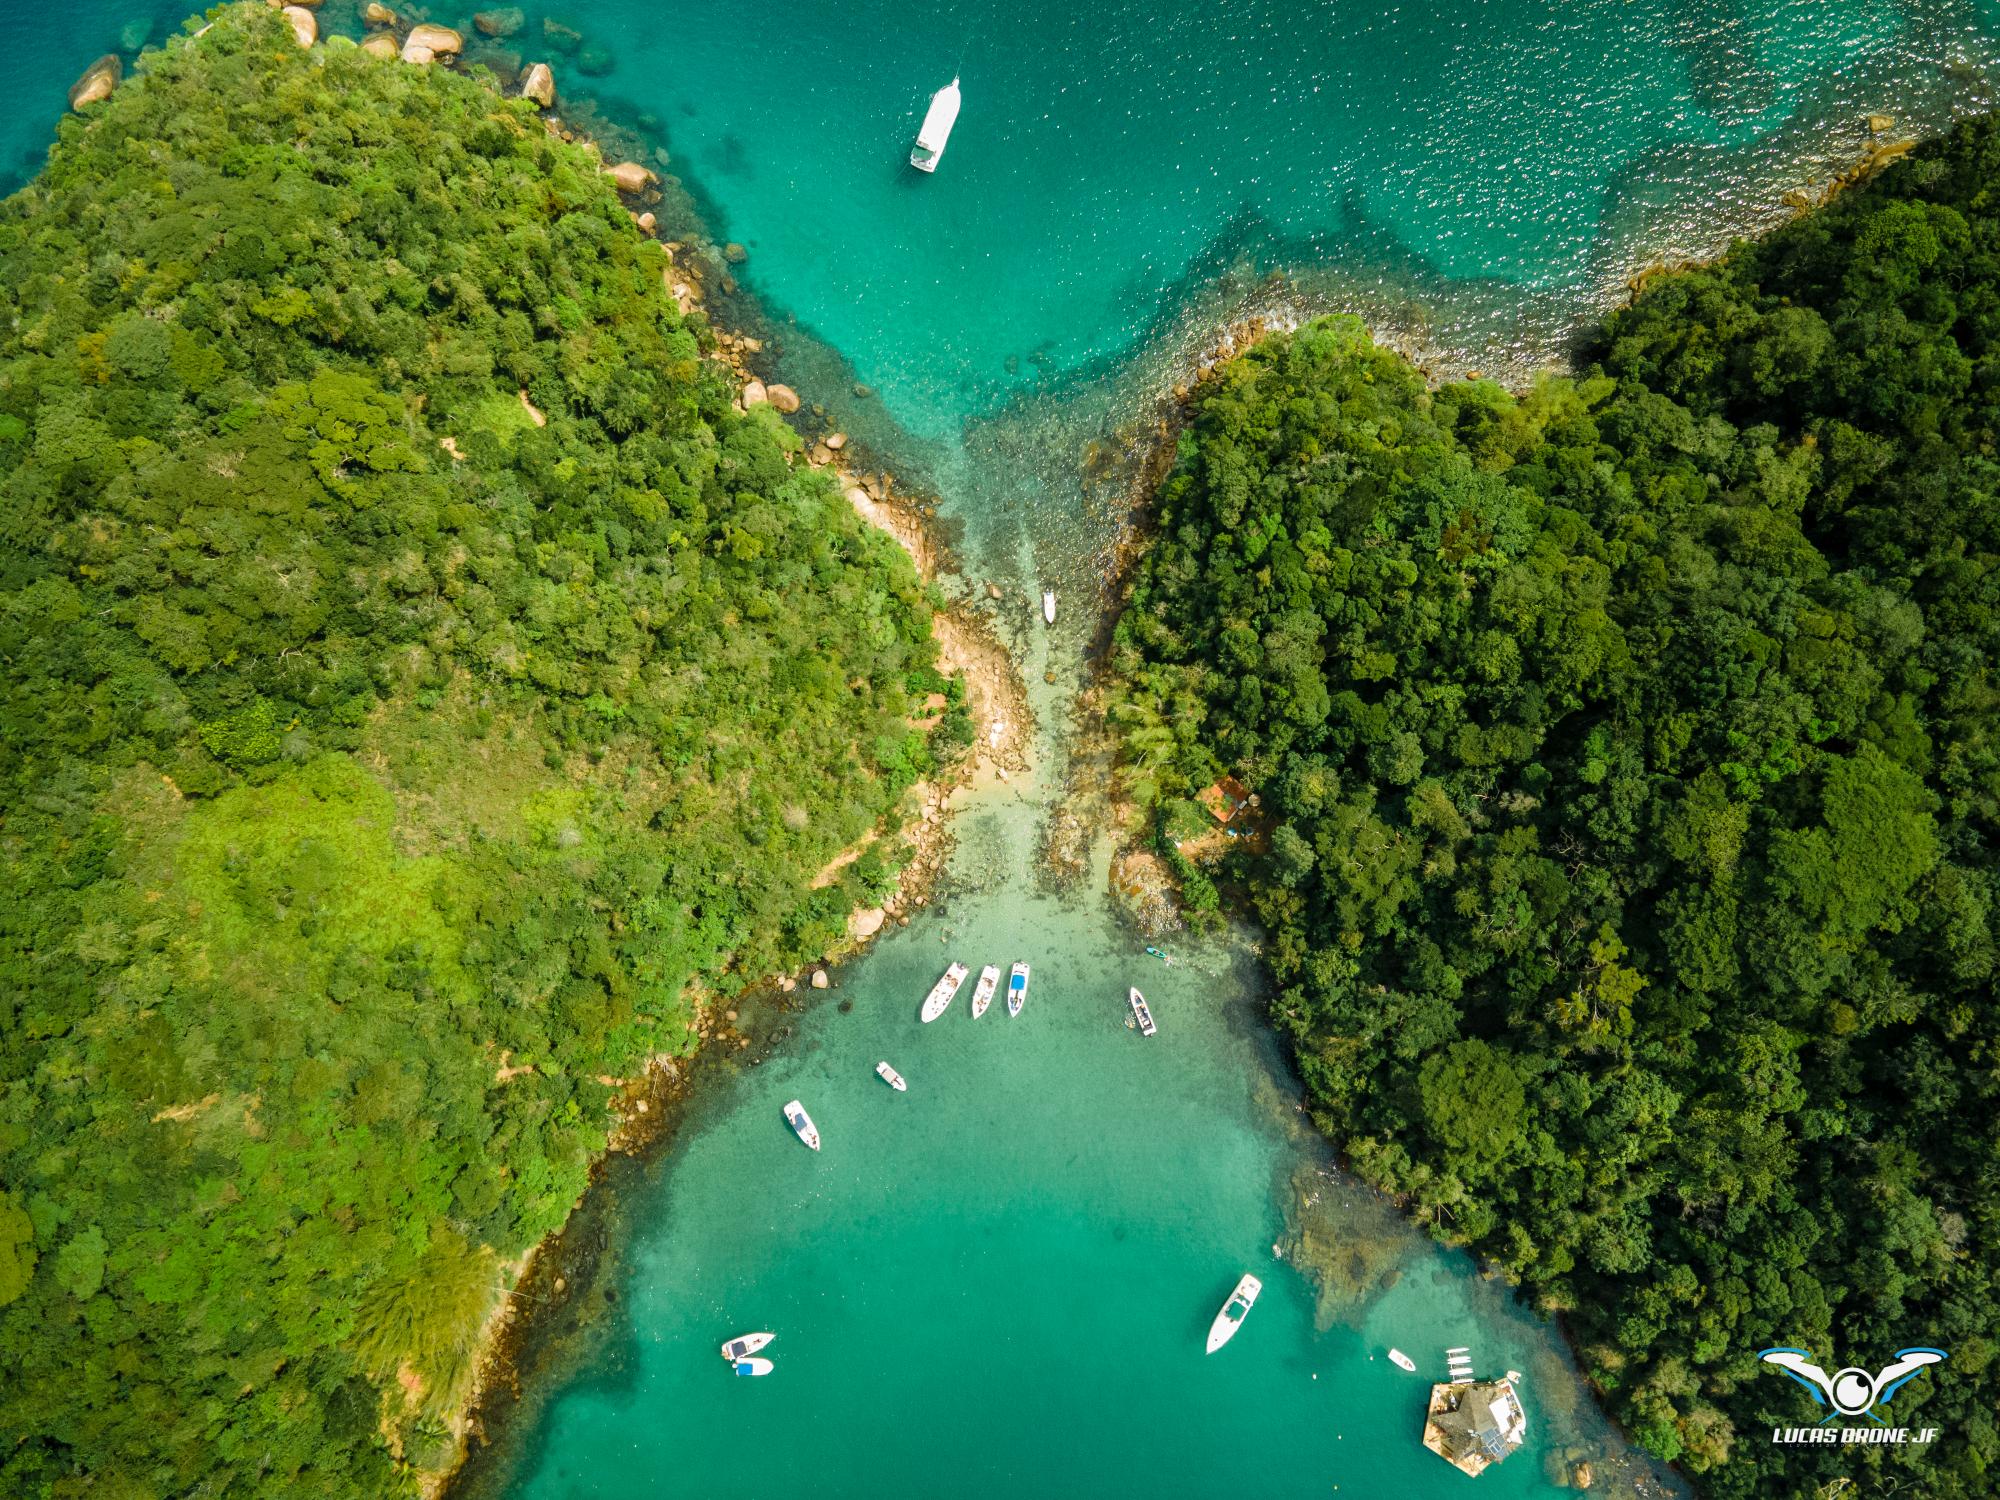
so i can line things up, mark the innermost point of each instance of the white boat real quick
(745, 1346)
(1144, 1014)
(753, 1367)
(1017, 989)
(1049, 605)
(1402, 1361)
(942, 992)
(982, 994)
(891, 1077)
(802, 1123)
(936, 129)
(1234, 1311)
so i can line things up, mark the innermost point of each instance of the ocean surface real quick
(998, 1283)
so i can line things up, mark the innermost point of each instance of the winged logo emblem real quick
(1853, 1392)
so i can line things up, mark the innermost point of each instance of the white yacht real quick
(942, 992)
(1402, 1361)
(891, 1077)
(1017, 990)
(1049, 605)
(1143, 1013)
(936, 129)
(802, 1124)
(982, 995)
(1234, 1311)
(745, 1346)
(753, 1367)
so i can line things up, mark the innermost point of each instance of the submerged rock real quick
(539, 84)
(97, 82)
(734, 253)
(594, 62)
(563, 38)
(503, 22)
(304, 26)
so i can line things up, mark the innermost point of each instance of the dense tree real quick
(381, 768)
(1629, 787)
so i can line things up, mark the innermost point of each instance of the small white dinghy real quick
(1049, 605)
(753, 1367)
(1017, 990)
(942, 992)
(982, 996)
(1402, 1361)
(745, 1346)
(802, 1124)
(891, 1077)
(1234, 1311)
(1143, 1013)
(936, 129)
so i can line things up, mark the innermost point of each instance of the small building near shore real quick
(1224, 799)
(1474, 1423)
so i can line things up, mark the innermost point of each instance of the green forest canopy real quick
(1629, 754)
(365, 798)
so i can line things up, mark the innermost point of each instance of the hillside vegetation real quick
(381, 770)
(1628, 766)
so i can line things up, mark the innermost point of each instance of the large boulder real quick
(503, 22)
(441, 40)
(631, 177)
(97, 82)
(754, 394)
(785, 399)
(539, 84)
(862, 925)
(304, 26)
(380, 45)
(423, 57)
(378, 14)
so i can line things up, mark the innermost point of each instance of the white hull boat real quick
(1143, 1013)
(753, 1367)
(1402, 1361)
(1017, 990)
(982, 995)
(942, 992)
(745, 1346)
(936, 129)
(1234, 1311)
(891, 1077)
(802, 1124)
(1049, 605)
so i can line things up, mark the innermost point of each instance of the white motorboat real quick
(1402, 1361)
(891, 1077)
(1017, 989)
(942, 992)
(1143, 1013)
(982, 994)
(1049, 605)
(802, 1124)
(936, 129)
(745, 1345)
(753, 1367)
(1234, 1311)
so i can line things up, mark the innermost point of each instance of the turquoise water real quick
(999, 1281)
